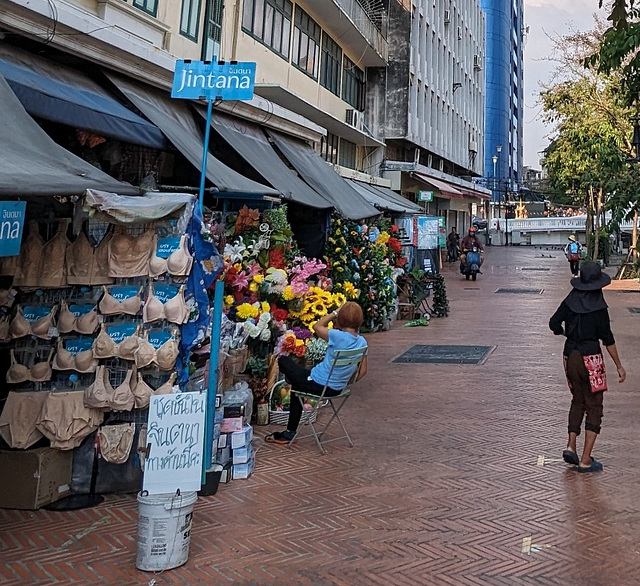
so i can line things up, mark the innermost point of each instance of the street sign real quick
(11, 224)
(216, 80)
(425, 196)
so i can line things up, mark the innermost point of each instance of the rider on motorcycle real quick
(468, 243)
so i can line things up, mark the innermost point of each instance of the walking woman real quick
(583, 318)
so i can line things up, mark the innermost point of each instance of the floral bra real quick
(174, 310)
(83, 324)
(39, 372)
(178, 264)
(20, 326)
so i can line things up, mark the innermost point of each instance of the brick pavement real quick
(455, 475)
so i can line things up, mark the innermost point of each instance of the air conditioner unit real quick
(477, 62)
(355, 118)
(447, 16)
(473, 146)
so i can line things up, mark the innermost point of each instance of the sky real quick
(546, 18)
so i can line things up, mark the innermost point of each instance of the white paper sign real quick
(175, 438)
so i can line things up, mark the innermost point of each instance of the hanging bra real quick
(105, 347)
(101, 395)
(53, 272)
(109, 305)
(129, 255)
(84, 324)
(81, 362)
(87, 265)
(21, 327)
(28, 269)
(178, 264)
(174, 310)
(18, 373)
(143, 392)
(165, 356)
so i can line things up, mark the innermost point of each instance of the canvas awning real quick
(60, 94)
(31, 163)
(476, 194)
(443, 187)
(175, 119)
(409, 206)
(322, 178)
(378, 198)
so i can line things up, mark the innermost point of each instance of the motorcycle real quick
(471, 267)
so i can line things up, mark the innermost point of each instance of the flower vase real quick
(262, 414)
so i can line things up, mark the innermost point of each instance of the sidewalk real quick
(455, 477)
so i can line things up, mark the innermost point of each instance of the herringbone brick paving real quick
(455, 476)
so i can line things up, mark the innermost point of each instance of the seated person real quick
(467, 244)
(344, 336)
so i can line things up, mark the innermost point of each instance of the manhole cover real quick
(634, 309)
(520, 291)
(534, 269)
(424, 354)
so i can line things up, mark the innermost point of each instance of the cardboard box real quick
(34, 478)
(218, 415)
(242, 471)
(223, 455)
(235, 410)
(242, 455)
(223, 440)
(231, 424)
(240, 439)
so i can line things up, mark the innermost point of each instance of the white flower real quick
(235, 251)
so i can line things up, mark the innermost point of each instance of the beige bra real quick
(84, 324)
(105, 347)
(129, 255)
(21, 327)
(178, 264)
(53, 272)
(101, 395)
(38, 373)
(174, 310)
(164, 357)
(87, 265)
(109, 305)
(81, 362)
(143, 392)
(28, 268)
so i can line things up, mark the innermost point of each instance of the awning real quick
(443, 187)
(410, 207)
(176, 120)
(250, 142)
(319, 175)
(476, 194)
(59, 94)
(380, 199)
(31, 163)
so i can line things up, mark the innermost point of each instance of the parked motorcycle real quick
(471, 267)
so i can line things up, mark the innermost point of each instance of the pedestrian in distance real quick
(453, 244)
(572, 252)
(583, 318)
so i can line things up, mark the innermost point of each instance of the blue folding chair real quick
(341, 358)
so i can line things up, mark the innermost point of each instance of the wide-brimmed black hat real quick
(591, 277)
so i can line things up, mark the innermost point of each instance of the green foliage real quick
(440, 300)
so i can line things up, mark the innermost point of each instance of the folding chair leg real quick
(337, 417)
(314, 433)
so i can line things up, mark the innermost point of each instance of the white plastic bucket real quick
(164, 530)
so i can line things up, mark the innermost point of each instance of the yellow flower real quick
(299, 342)
(246, 310)
(237, 267)
(383, 238)
(229, 300)
(340, 299)
(266, 308)
(349, 289)
(253, 286)
(288, 293)
(258, 279)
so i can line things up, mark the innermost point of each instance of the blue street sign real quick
(218, 80)
(11, 224)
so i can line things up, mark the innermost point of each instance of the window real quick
(190, 19)
(212, 30)
(306, 43)
(347, 154)
(148, 6)
(329, 148)
(353, 84)
(331, 64)
(270, 22)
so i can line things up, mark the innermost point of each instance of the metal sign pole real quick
(205, 152)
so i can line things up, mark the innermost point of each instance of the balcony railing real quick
(370, 17)
(564, 224)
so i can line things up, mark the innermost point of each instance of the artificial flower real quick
(235, 251)
(246, 310)
(258, 279)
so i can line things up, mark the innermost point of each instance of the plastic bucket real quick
(164, 530)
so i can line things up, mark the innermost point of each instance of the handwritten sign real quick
(175, 438)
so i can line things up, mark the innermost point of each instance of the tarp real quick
(175, 119)
(411, 207)
(319, 175)
(60, 94)
(386, 199)
(250, 142)
(376, 199)
(442, 186)
(31, 163)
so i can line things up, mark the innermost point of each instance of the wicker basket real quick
(282, 417)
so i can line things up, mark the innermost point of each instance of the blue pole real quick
(205, 152)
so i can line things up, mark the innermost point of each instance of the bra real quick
(84, 324)
(87, 265)
(28, 269)
(21, 327)
(109, 305)
(52, 266)
(178, 264)
(101, 395)
(143, 392)
(38, 373)
(174, 310)
(129, 255)
(164, 357)
(104, 346)
(81, 362)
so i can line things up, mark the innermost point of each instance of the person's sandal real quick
(571, 457)
(595, 467)
(279, 437)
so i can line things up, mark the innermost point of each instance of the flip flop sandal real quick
(276, 438)
(595, 467)
(570, 457)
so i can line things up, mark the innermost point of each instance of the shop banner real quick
(11, 224)
(175, 443)
(215, 80)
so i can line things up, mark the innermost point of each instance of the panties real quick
(19, 417)
(115, 442)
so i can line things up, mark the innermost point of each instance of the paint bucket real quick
(164, 530)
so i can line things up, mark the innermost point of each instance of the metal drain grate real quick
(427, 354)
(634, 309)
(535, 269)
(520, 291)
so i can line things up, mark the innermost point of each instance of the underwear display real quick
(37, 373)
(174, 310)
(19, 417)
(115, 442)
(7, 296)
(87, 265)
(109, 305)
(83, 324)
(129, 256)
(81, 362)
(105, 347)
(164, 357)
(65, 421)
(101, 395)
(21, 327)
(143, 392)
(178, 263)
(28, 269)
(53, 273)
(5, 330)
